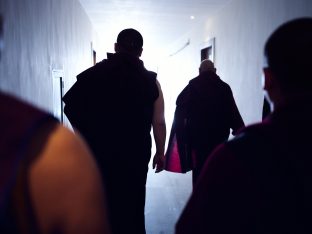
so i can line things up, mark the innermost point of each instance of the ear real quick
(268, 82)
(140, 53)
(116, 47)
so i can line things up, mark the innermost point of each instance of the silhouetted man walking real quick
(206, 112)
(114, 104)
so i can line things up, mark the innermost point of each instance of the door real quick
(58, 92)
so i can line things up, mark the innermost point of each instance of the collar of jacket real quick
(125, 58)
(209, 75)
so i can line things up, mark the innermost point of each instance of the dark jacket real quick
(205, 113)
(111, 104)
(259, 182)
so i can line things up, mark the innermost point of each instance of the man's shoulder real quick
(195, 79)
(20, 109)
(95, 70)
(252, 139)
(151, 74)
(251, 131)
(211, 79)
(226, 85)
(19, 121)
(222, 84)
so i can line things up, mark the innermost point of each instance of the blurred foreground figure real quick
(49, 182)
(260, 182)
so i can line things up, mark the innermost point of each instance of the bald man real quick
(210, 111)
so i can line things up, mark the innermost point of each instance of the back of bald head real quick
(206, 65)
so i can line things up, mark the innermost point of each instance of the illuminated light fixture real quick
(192, 17)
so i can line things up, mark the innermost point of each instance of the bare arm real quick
(66, 187)
(159, 130)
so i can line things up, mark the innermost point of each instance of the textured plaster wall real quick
(241, 29)
(41, 35)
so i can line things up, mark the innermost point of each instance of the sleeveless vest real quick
(111, 104)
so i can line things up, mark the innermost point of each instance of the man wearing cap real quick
(210, 112)
(113, 105)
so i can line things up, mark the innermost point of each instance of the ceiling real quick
(161, 22)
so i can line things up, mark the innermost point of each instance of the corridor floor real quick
(166, 196)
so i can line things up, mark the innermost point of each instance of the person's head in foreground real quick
(288, 53)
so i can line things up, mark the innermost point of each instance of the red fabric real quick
(173, 163)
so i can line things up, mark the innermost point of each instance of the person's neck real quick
(293, 99)
(128, 54)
